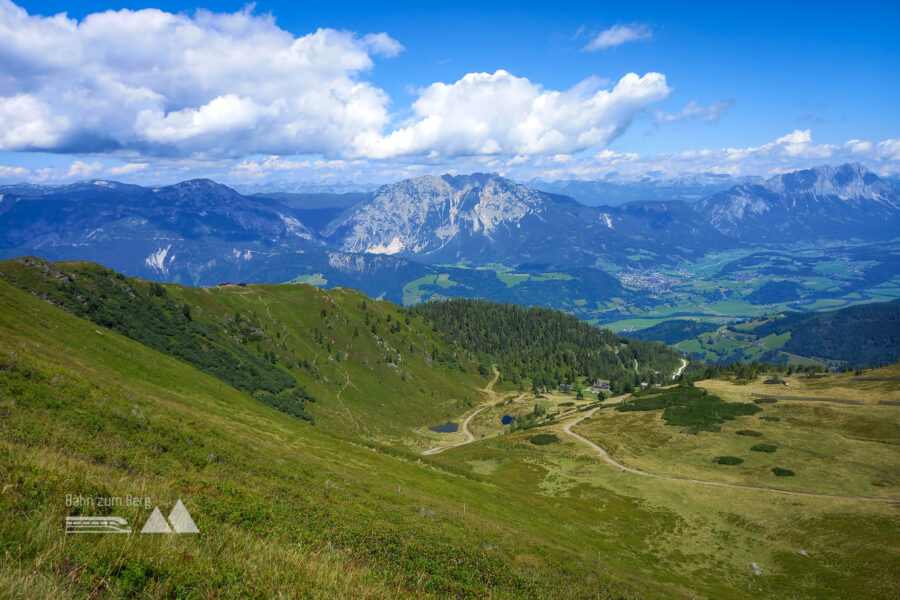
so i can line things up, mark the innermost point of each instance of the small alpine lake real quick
(448, 427)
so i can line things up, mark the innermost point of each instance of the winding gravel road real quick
(609, 459)
(465, 429)
(489, 389)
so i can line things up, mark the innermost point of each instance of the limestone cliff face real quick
(846, 201)
(424, 215)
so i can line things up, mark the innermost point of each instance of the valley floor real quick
(659, 508)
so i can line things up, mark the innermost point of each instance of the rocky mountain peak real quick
(822, 201)
(425, 214)
(473, 180)
(850, 181)
(198, 187)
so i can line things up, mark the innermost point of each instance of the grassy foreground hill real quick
(339, 509)
(284, 509)
(353, 365)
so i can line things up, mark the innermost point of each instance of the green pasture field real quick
(701, 539)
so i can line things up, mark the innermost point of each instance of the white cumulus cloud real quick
(83, 169)
(158, 83)
(500, 113)
(795, 150)
(13, 172)
(381, 44)
(889, 149)
(127, 169)
(618, 35)
(209, 86)
(799, 144)
(27, 123)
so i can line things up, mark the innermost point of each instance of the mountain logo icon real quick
(180, 519)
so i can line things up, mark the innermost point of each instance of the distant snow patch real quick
(157, 260)
(393, 248)
(296, 227)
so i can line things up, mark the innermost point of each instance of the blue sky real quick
(782, 85)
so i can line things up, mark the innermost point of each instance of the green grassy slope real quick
(340, 510)
(674, 331)
(700, 538)
(357, 366)
(857, 336)
(862, 336)
(283, 508)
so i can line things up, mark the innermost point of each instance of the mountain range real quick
(483, 218)
(613, 190)
(201, 232)
(828, 202)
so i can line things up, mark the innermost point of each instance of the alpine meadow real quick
(402, 301)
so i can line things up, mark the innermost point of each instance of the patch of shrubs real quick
(749, 432)
(290, 401)
(542, 439)
(779, 472)
(770, 418)
(728, 460)
(691, 407)
(530, 420)
(149, 316)
(765, 400)
(764, 448)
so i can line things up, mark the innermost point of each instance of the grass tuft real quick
(542, 439)
(764, 448)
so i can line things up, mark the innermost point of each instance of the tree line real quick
(149, 316)
(548, 347)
